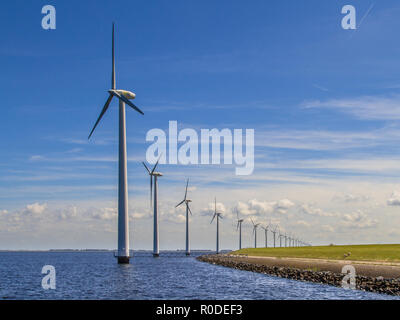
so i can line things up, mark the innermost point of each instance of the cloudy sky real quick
(324, 103)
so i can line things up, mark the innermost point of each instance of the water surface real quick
(96, 275)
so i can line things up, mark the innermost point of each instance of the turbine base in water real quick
(123, 260)
(156, 255)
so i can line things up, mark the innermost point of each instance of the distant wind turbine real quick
(266, 235)
(186, 201)
(239, 227)
(153, 176)
(255, 225)
(286, 237)
(280, 238)
(274, 230)
(218, 215)
(123, 219)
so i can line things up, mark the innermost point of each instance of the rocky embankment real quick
(377, 285)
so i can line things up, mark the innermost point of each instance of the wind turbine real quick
(286, 237)
(266, 234)
(280, 238)
(186, 201)
(218, 215)
(123, 219)
(239, 227)
(274, 233)
(255, 225)
(154, 176)
(289, 239)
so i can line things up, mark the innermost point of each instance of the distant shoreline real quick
(373, 277)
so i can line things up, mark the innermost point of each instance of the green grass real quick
(373, 252)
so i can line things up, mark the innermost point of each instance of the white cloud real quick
(209, 210)
(348, 198)
(105, 213)
(36, 158)
(364, 107)
(309, 209)
(327, 228)
(255, 207)
(303, 223)
(394, 199)
(358, 220)
(35, 208)
(282, 206)
(68, 212)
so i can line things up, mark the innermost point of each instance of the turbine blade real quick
(155, 166)
(113, 85)
(190, 210)
(179, 203)
(237, 226)
(124, 99)
(215, 206)
(213, 218)
(146, 167)
(187, 183)
(101, 114)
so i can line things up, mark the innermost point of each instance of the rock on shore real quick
(377, 285)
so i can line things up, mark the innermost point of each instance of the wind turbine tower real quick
(186, 201)
(239, 227)
(266, 235)
(286, 237)
(255, 225)
(274, 233)
(154, 176)
(124, 97)
(218, 215)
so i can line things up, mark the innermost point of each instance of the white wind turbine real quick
(255, 225)
(266, 234)
(123, 219)
(218, 215)
(280, 237)
(186, 202)
(290, 240)
(154, 175)
(274, 230)
(239, 227)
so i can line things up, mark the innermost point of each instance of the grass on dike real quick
(372, 252)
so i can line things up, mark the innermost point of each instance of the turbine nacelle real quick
(127, 94)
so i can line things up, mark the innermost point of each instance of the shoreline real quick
(374, 277)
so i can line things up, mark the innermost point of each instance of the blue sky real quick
(324, 103)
